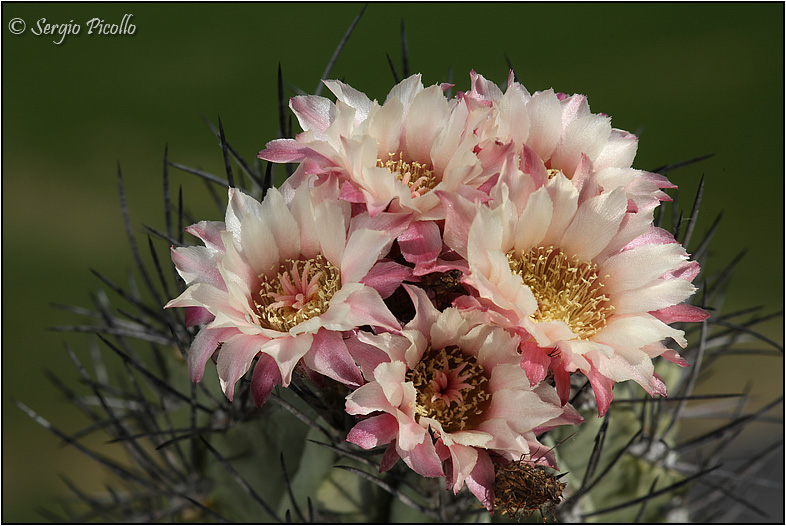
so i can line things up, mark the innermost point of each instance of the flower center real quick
(301, 290)
(418, 177)
(567, 289)
(552, 172)
(449, 388)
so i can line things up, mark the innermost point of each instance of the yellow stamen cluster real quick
(457, 414)
(552, 172)
(566, 288)
(270, 311)
(419, 177)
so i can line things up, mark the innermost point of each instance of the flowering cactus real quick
(556, 268)
(465, 284)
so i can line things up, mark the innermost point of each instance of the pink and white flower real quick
(282, 280)
(554, 132)
(393, 156)
(589, 284)
(449, 388)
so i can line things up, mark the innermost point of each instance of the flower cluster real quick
(452, 262)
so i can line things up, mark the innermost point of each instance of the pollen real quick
(451, 388)
(419, 177)
(301, 289)
(566, 288)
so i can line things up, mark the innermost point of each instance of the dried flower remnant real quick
(445, 286)
(522, 487)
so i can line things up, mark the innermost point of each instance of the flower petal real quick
(374, 431)
(421, 242)
(366, 399)
(385, 277)
(423, 459)
(369, 239)
(329, 356)
(287, 351)
(595, 224)
(313, 112)
(481, 480)
(265, 377)
(202, 348)
(235, 358)
(545, 123)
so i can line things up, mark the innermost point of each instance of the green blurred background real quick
(689, 79)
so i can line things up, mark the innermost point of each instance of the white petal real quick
(485, 235)
(545, 123)
(516, 122)
(331, 229)
(610, 178)
(367, 399)
(639, 266)
(201, 295)
(367, 308)
(619, 151)
(448, 327)
(564, 198)
(427, 116)
(239, 206)
(498, 349)
(369, 239)
(287, 351)
(661, 294)
(385, 127)
(596, 222)
(425, 313)
(277, 217)
(406, 90)
(524, 410)
(259, 246)
(391, 377)
(342, 125)
(313, 112)
(534, 221)
(586, 135)
(196, 263)
(352, 97)
(573, 107)
(634, 332)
